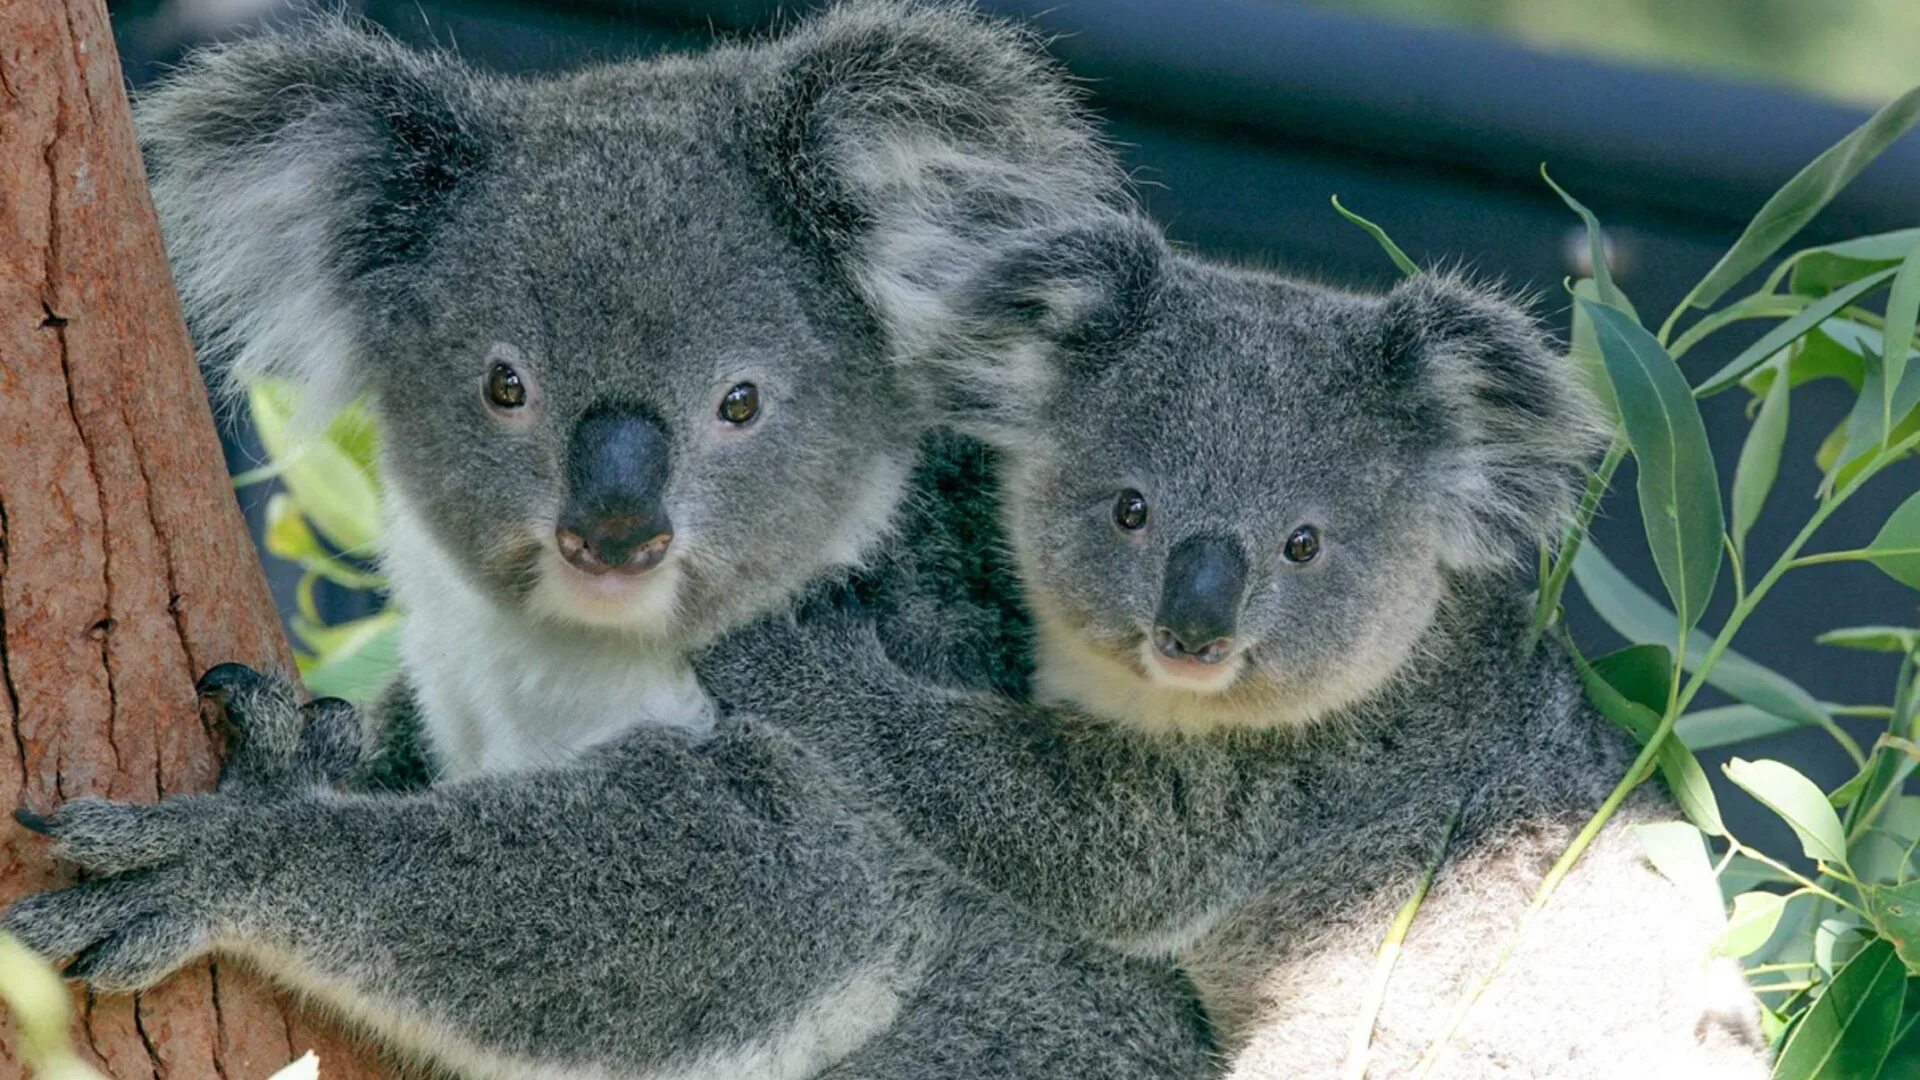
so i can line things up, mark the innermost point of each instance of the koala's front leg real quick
(658, 903)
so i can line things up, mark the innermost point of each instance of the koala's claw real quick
(276, 742)
(117, 929)
(225, 678)
(105, 837)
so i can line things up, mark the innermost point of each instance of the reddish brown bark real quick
(125, 568)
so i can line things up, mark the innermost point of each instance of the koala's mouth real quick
(1205, 677)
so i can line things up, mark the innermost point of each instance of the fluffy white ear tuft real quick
(1520, 429)
(289, 172)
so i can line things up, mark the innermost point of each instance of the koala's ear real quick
(1517, 430)
(888, 111)
(1053, 304)
(298, 176)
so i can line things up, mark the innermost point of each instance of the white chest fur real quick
(498, 692)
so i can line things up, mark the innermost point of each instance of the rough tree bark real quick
(125, 568)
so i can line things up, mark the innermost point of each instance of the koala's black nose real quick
(615, 518)
(1200, 600)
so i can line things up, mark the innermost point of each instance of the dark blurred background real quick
(1240, 118)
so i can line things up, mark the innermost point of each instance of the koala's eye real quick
(505, 388)
(741, 404)
(1303, 545)
(1130, 511)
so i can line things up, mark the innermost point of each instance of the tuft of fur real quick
(1525, 429)
(294, 173)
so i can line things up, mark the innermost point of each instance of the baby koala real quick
(1268, 535)
(630, 389)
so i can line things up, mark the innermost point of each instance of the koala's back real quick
(1613, 978)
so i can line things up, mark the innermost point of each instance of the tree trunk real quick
(125, 568)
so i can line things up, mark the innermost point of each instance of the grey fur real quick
(677, 906)
(363, 218)
(1426, 432)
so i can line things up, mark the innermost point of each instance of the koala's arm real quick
(1613, 979)
(1136, 842)
(656, 905)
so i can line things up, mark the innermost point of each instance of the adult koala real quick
(630, 390)
(1267, 533)
(591, 313)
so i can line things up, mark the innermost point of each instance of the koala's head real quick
(622, 379)
(1238, 500)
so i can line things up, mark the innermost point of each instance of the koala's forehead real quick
(1241, 392)
(593, 233)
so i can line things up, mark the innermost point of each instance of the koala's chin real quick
(645, 605)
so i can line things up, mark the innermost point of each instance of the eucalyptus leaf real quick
(1822, 269)
(1887, 639)
(1678, 767)
(1640, 618)
(1798, 801)
(1759, 462)
(1585, 351)
(1896, 548)
(1836, 940)
(1607, 292)
(1641, 673)
(1865, 426)
(1819, 355)
(1790, 331)
(1406, 265)
(1903, 1061)
(1903, 308)
(1895, 911)
(1729, 724)
(1679, 852)
(333, 487)
(1754, 916)
(1802, 197)
(1847, 1033)
(1678, 488)
(357, 659)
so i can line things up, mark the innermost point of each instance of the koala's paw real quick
(145, 914)
(275, 742)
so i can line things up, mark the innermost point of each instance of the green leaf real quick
(1847, 1033)
(1819, 355)
(1822, 269)
(1679, 852)
(1759, 462)
(1798, 801)
(1903, 308)
(1895, 911)
(1678, 767)
(1903, 1061)
(1679, 490)
(1896, 549)
(1802, 197)
(1888, 639)
(1585, 350)
(356, 660)
(1865, 426)
(1754, 916)
(332, 486)
(1789, 332)
(1640, 618)
(1729, 724)
(1641, 673)
(1606, 290)
(1380, 236)
(1837, 940)
(1883, 854)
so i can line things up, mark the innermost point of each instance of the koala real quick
(632, 391)
(629, 387)
(1266, 533)
(1280, 517)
